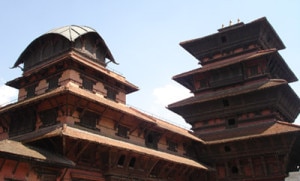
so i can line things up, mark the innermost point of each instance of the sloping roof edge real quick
(16, 149)
(81, 134)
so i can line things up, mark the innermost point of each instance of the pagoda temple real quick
(243, 107)
(71, 121)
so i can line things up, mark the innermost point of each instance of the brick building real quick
(71, 121)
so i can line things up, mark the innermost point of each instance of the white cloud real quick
(7, 94)
(168, 94)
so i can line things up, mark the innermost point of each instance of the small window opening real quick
(151, 139)
(231, 123)
(87, 84)
(121, 160)
(30, 91)
(53, 83)
(225, 103)
(111, 94)
(48, 117)
(122, 131)
(234, 170)
(253, 70)
(172, 146)
(132, 162)
(227, 149)
(203, 84)
(89, 120)
(223, 39)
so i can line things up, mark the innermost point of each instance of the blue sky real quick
(143, 37)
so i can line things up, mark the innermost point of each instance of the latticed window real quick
(22, 122)
(231, 123)
(151, 139)
(172, 146)
(111, 94)
(89, 119)
(30, 91)
(253, 70)
(53, 83)
(203, 83)
(87, 84)
(122, 131)
(48, 117)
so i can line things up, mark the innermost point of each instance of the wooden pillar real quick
(251, 167)
(264, 165)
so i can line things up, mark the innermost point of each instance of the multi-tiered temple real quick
(71, 121)
(242, 106)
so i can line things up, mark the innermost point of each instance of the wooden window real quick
(122, 131)
(22, 122)
(225, 103)
(121, 160)
(172, 146)
(223, 39)
(253, 70)
(30, 91)
(203, 83)
(111, 93)
(89, 119)
(87, 84)
(151, 139)
(231, 123)
(132, 162)
(227, 148)
(48, 117)
(53, 83)
(234, 170)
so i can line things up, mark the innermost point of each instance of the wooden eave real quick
(73, 90)
(84, 135)
(250, 132)
(65, 130)
(189, 76)
(200, 47)
(214, 95)
(170, 127)
(16, 150)
(226, 62)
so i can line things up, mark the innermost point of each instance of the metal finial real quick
(222, 25)
(238, 20)
(230, 22)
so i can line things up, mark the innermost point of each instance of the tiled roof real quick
(251, 131)
(114, 105)
(10, 148)
(229, 92)
(276, 58)
(229, 61)
(65, 130)
(84, 135)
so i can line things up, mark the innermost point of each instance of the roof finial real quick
(238, 20)
(230, 22)
(222, 25)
